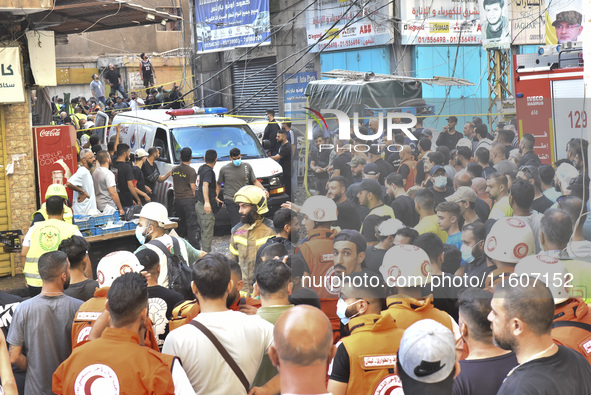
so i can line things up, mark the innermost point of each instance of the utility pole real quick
(499, 78)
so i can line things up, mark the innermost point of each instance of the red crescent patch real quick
(520, 250)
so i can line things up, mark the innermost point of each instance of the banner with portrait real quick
(564, 21)
(494, 20)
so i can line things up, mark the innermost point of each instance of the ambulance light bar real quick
(197, 110)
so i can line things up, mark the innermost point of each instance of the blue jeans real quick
(119, 88)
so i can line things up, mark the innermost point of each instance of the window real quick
(173, 26)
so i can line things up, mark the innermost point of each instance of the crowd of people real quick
(457, 266)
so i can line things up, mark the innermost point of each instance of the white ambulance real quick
(199, 129)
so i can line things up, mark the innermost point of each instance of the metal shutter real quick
(248, 84)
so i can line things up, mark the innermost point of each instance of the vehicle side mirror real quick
(267, 144)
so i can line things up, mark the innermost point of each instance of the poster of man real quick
(494, 18)
(564, 21)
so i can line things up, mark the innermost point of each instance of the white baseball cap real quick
(427, 351)
(464, 142)
(116, 264)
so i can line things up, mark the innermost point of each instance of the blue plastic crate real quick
(83, 222)
(119, 227)
(131, 225)
(104, 219)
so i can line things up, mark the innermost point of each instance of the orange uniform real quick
(115, 361)
(572, 326)
(90, 311)
(372, 348)
(406, 311)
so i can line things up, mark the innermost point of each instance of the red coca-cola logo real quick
(49, 133)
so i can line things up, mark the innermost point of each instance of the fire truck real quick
(549, 97)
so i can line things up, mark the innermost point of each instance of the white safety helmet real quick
(155, 212)
(546, 268)
(116, 264)
(509, 240)
(406, 266)
(389, 227)
(464, 142)
(320, 209)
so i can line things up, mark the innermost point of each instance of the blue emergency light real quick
(216, 110)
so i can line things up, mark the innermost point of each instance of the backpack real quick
(182, 313)
(179, 272)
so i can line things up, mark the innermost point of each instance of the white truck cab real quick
(149, 128)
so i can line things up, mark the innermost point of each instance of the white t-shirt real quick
(83, 179)
(135, 104)
(103, 179)
(247, 339)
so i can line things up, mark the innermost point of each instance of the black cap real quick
(372, 186)
(374, 149)
(371, 169)
(452, 119)
(186, 154)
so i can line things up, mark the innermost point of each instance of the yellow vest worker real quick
(44, 237)
(68, 214)
(53, 190)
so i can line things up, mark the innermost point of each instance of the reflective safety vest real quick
(91, 310)
(406, 311)
(572, 326)
(372, 348)
(68, 215)
(317, 252)
(46, 236)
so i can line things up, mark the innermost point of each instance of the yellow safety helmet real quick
(56, 190)
(254, 195)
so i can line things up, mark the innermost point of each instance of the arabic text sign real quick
(527, 22)
(443, 22)
(11, 79)
(351, 27)
(226, 24)
(293, 93)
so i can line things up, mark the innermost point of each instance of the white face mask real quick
(440, 181)
(342, 309)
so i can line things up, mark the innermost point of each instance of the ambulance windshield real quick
(220, 138)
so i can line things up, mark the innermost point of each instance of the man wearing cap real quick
(105, 185)
(544, 367)
(385, 233)
(426, 360)
(144, 191)
(375, 156)
(39, 335)
(568, 26)
(254, 231)
(365, 359)
(439, 188)
(466, 198)
(449, 137)
(370, 196)
(42, 237)
(348, 212)
(53, 190)
(357, 165)
(83, 186)
(184, 179)
(283, 156)
(152, 220)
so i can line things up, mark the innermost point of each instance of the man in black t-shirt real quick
(184, 179)
(161, 300)
(113, 79)
(449, 137)
(271, 131)
(150, 170)
(402, 204)
(341, 165)
(207, 200)
(544, 367)
(347, 215)
(143, 191)
(125, 178)
(284, 158)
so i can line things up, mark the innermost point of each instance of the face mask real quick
(139, 234)
(237, 162)
(342, 310)
(440, 181)
(466, 253)
(267, 117)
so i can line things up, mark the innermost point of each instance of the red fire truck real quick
(549, 96)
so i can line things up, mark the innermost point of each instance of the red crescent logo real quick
(516, 222)
(520, 250)
(491, 245)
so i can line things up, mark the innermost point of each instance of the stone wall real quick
(22, 185)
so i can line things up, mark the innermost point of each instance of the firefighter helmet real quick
(254, 195)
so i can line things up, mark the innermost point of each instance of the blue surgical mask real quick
(342, 310)
(466, 253)
(139, 234)
(440, 181)
(237, 162)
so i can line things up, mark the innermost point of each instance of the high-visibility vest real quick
(46, 236)
(68, 215)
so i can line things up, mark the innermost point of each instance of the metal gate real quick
(249, 78)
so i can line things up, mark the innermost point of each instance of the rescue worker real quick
(92, 312)
(43, 237)
(128, 366)
(509, 240)
(54, 190)
(317, 252)
(253, 231)
(408, 268)
(572, 320)
(373, 337)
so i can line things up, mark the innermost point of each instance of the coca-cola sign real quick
(49, 132)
